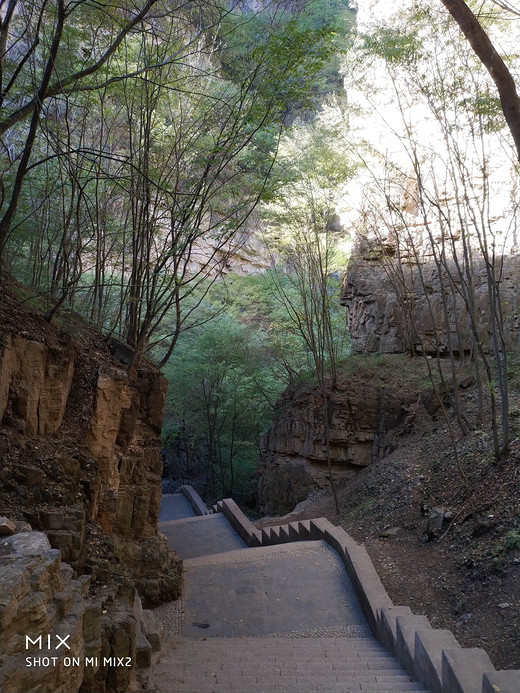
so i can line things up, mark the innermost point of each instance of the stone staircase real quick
(279, 617)
(254, 665)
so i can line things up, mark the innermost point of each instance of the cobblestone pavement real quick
(275, 618)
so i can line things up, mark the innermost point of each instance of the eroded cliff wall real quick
(395, 308)
(81, 461)
(370, 410)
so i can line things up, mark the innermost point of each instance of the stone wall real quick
(411, 317)
(431, 656)
(81, 461)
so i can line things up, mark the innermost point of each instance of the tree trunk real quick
(485, 51)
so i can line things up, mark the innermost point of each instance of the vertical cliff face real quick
(81, 461)
(35, 382)
(369, 414)
(81, 447)
(124, 439)
(411, 314)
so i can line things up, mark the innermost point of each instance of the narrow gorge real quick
(259, 346)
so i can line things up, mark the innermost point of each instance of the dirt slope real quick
(465, 574)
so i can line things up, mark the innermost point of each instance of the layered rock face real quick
(124, 439)
(366, 421)
(81, 461)
(35, 382)
(57, 637)
(407, 313)
(116, 464)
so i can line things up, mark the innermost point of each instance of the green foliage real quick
(308, 39)
(393, 45)
(512, 540)
(487, 109)
(169, 145)
(255, 300)
(237, 363)
(220, 400)
(173, 139)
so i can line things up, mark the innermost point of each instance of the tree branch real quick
(487, 54)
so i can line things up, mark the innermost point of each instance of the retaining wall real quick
(196, 502)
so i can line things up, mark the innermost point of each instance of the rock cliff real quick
(57, 634)
(370, 411)
(81, 461)
(411, 317)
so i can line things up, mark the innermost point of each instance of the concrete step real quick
(202, 535)
(273, 618)
(255, 665)
(175, 506)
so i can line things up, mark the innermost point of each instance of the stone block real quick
(275, 535)
(196, 502)
(52, 519)
(48, 574)
(429, 647)
(22, 526)
(294, 531)
(240, 523)
(143, 652)
(28, 543)
(72, 524)
(319, 527)
(255, 538)
(92, 623)
(152, 628)
(83, 583)
(503, 681)
(64, 600)
(7, 527)
(463, 669)
(69, 543)
(387, 625)
(406, 628)
(265, 533)
(335, 537)
(305, 529)
(372, 596)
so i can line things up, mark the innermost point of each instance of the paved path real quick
(201, 536)
(175, 506)
(275, 618)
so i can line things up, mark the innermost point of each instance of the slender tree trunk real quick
(8, 216)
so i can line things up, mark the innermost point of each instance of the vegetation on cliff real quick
(140, 141)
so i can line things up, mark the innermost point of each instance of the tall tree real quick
(35, 65)
(181, 134)
(494, 64)
(303, 235)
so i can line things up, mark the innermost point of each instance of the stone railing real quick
(196, 502)
(432, 656)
